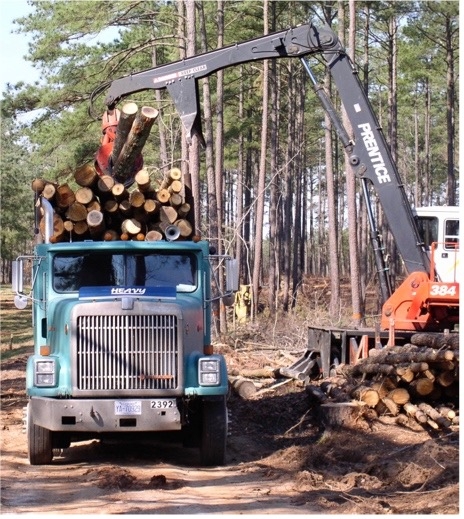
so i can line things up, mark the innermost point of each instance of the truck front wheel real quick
(213, 431)
(39, 442)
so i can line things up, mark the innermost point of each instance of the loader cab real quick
(439, 229)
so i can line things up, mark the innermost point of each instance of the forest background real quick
(271, 186)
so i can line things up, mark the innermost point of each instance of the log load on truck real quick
(122, 324)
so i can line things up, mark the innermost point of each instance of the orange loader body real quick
(422, 304)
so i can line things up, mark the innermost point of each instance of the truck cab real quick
(122, 334)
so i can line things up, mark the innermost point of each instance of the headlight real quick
(208, 372)
(44, 373)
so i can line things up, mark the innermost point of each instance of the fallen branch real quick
(273, 387)
(301, 420)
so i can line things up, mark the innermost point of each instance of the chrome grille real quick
(127, 352)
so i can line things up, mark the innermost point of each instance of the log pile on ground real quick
(412, 385)
(251, 382)
(103, 209)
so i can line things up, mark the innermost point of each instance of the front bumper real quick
(106, 415)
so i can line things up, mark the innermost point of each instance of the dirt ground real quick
(280, 461)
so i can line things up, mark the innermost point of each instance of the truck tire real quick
(39, 442)
(191, 432)
(214, 432)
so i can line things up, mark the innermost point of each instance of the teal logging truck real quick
(122, 343)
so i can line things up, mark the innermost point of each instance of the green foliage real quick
(80, 45)
(16, 202)
(429, 48)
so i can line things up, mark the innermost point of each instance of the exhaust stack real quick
(48, 215)
(172, 232)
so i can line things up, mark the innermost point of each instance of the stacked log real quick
(126, 157)
(110, 201)
(100, 208)
(417, 382)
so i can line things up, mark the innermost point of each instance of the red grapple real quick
(103, 157)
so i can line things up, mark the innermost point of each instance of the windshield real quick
(93, 269)
(428, 229)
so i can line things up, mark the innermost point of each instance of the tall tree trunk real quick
(450, 117)
(321, 195)
(355, 275)
(302, 161)
(247, 203)
(417, 178)
(334, 305)
(334, 265)
(238, 231)
(189, 182)
(296, 274)
(211, 206)
(367, 25)
(312, 234)
(274, 193)
(219, 154)
(194, 148)
(392, 60)
(363, 227)
(219, 140)
(393, 87)
(427, 151)
(298, 240)
(260, 198)
(287, 234)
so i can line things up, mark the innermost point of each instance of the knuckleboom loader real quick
(427, 238)
(122, 329)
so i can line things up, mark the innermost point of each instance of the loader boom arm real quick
(180, 77)
(369, 154)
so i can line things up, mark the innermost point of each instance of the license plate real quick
(163, 403)
(127, 407)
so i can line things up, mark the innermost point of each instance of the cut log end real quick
(95, 218)
(38, 185)
(76, 212)
(105, 184)
(131, 226)
(149, 112)
(86, 175)
(153, 236)
(129, 108)
(243, 387)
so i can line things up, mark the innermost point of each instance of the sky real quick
(13, 47)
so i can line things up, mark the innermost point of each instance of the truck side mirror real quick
(231, 275)
(17, 285)
(17, 276)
